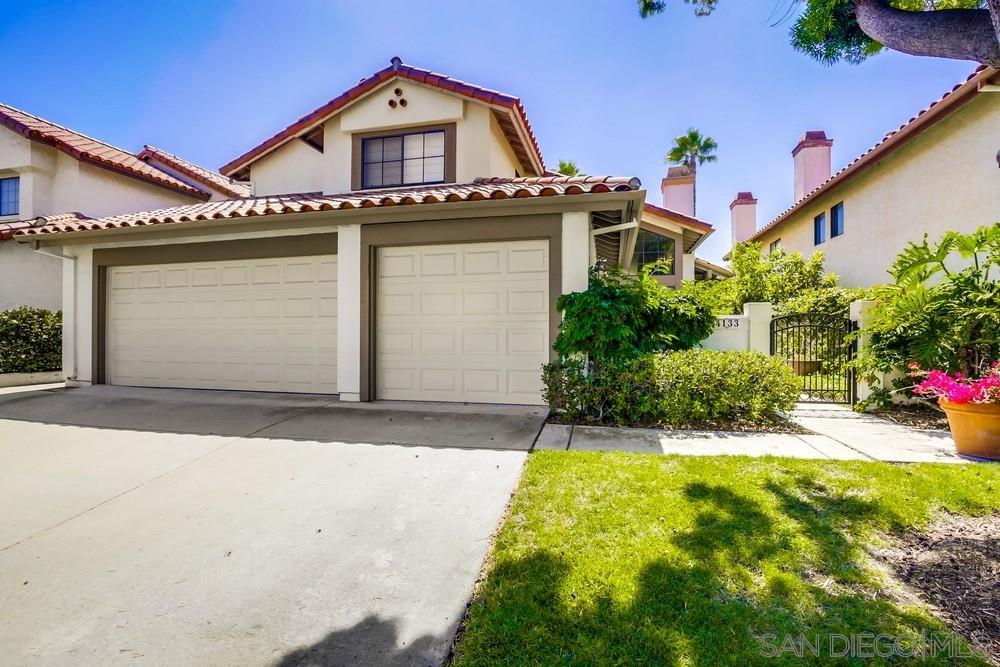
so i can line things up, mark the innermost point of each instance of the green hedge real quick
(30, 340)
(674, 388)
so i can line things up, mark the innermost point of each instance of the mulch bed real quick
(919, 416)
(955, 567)
(770, 425)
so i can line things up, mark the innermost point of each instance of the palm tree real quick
(569, 168)
(690, 150)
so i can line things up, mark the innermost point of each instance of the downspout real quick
(37, 247)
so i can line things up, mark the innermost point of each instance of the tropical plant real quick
(943, 311)
(619, 317)
(690, 150)
(853, 30)
(569, 168)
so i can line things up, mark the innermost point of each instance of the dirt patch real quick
(954, 566)
(919, 416)
(767, 425)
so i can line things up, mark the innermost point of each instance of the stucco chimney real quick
(678, 190)
(743, 213)
(812, 162)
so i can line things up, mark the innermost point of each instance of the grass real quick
(620, 559)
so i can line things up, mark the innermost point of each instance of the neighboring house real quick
(937, 172)
(50, 174)
(402, 241)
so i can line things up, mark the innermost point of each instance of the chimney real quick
(812, 162)
(743, 213)
(678, 190)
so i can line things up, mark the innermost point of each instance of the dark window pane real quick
(819, 228)
(837, 219)
(9, 196)
(650, 247)
(392, 173)
(410, 159)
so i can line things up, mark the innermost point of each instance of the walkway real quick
(837, 433)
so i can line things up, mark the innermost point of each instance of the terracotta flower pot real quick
(975, 428)
(806, 367)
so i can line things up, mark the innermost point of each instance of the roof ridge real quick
(67, 129)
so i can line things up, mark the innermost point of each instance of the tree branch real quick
(960, 34)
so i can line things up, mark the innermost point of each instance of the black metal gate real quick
(819, 348)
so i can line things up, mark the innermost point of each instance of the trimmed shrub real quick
(30, 340)
(676, 388)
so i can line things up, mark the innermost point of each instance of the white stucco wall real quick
(481, 148)
(28, 278)
(944, 179)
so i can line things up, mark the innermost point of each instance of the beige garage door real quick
(261, 324)
(466, 322)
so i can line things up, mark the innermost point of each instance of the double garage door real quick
(463, 322)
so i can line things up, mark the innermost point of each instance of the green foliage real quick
(826, 30)
(943, 310)
(30, 340)
(674, 388)
(620, 317)
(569, 168)
(776, 277)
(822, 300)
(692, 149)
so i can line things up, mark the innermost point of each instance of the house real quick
(937, 172)
(51, 174)
(402, 241)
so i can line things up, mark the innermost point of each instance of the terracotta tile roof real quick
(687, 220)
(479, 190)
(90, 150)
(212, 179)
(529, 155)
(950, 101)
(7, 229)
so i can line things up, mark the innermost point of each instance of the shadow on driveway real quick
(305, 417)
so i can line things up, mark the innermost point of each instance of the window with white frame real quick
(10, 196)
(651, 248)
(416, 158)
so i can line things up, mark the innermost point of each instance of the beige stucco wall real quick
(28, 278)
(944, 179)
(481, 149)
(53, 182)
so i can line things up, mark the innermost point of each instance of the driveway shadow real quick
(304, 417)
(372, 641)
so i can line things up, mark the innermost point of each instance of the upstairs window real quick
(774, 246)
(651, 248)
(10, 196)
(416, 158)
(819, 229)
(837, 220)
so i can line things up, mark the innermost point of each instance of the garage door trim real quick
(493, 229)
(260, 248)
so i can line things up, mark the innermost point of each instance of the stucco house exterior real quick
(937, 172)
(402, 241)
(50, 173)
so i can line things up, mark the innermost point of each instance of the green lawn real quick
(630, 559)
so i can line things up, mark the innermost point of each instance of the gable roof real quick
(925, 118)
(507, 109)
(203, 175)
(88, 149)
(680, 218)
(8, 229)
(481, 189)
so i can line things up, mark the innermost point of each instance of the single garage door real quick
(462, 322)
(260, 324)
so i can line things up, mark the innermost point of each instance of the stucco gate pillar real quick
(759, 316)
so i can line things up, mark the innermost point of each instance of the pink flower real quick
(959, 389)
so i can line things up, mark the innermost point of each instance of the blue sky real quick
(210, 79)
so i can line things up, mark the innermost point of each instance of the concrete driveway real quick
(189, 527)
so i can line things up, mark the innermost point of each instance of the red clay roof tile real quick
(196, 172)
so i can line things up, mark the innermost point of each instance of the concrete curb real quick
(23, 379)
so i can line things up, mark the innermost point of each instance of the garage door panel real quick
(463, 322)
(267, 325)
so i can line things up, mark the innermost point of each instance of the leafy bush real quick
(30, 340)
(671, 388)
(619, 317)
(943, 310)
(823, 300)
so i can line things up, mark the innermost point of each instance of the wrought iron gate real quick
(819, 348)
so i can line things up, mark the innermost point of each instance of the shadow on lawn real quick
(735, 583)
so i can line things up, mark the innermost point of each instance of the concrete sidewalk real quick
(838, 434)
